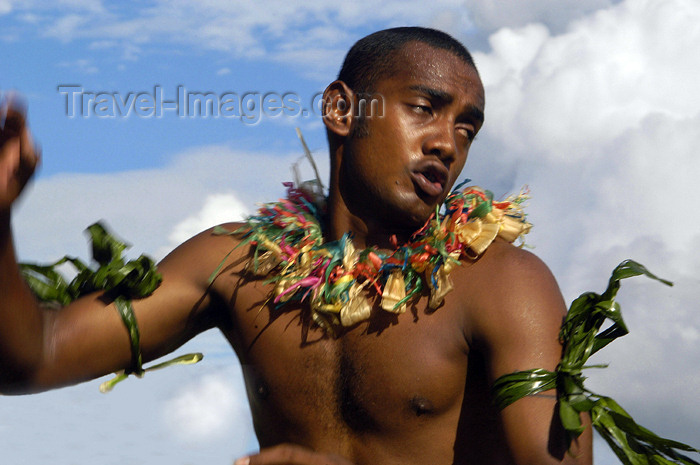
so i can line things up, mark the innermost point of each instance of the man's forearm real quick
(21, 318)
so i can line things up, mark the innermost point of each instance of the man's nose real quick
(441, 143)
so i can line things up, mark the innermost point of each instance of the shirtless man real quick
(400, 389)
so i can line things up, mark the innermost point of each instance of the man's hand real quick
(18, 155)
(290, 454)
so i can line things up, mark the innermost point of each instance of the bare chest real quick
(394, 374)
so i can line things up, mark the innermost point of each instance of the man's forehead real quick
(418, 65)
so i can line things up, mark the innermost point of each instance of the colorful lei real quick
(288, 239)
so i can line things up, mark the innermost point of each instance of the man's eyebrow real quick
(473, 111)
(433, 93)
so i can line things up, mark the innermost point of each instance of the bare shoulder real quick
(508, 275)
(200, 278)
(522, 274)
(199, 257)
(517, 307)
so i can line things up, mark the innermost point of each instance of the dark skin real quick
(397, 389)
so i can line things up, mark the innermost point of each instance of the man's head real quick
(393, 173)
(373, 57)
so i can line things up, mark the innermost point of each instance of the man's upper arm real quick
(517, 326)
(88, 339)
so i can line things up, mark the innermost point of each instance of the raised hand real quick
(291, 454)
(18, 154)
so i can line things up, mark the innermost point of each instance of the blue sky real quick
(592, 104)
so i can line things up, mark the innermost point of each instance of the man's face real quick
(411, 156)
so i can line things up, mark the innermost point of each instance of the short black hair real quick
(370, 58)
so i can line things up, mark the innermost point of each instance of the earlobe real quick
(338, 108)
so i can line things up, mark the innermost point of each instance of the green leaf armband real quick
(120, 280)
(126, 311)
(581, 337)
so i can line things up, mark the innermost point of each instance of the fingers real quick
(19, 155)
(16, 125)
(290, 454)
(13, 116)
(29, 155)
(9, 164)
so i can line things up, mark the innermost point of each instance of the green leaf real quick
(187, 359)
(105, 247)
(126, 311)
(570, 418)
(515, 386)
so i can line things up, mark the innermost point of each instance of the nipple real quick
(261, 391)
(421, 405)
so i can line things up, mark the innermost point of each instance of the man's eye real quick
(467, 133)
(422, 109)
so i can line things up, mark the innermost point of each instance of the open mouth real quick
(431, 179)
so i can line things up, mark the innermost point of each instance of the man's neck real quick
(365, 232)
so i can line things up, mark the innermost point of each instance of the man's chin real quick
(406, 215)
(417, 219)
(428, 204)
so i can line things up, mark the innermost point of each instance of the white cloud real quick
(616, 138)
(567, 94)
(602, 121)
(149, 420)
(93, 6)
(66, 27)
(555, 14)
(82, 65)
(217, 209)
(5, 7)
(207, 411)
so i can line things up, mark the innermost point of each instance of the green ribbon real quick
(581, 337)
(120, 280)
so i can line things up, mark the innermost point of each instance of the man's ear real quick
(338, 108)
